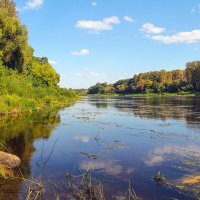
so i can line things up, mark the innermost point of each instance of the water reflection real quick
(162, 154)
(178, 108)
(17, 136)
(83, 138)
(119, 140)
(111, 167)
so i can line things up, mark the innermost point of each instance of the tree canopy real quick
(15, 51)
(26, 82)
(154, 82)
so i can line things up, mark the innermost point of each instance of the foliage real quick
(81, 92)
(193, 74)
(26, 82)
(154, 82)
(17, 93)
(42, 73)
(15, 51)
(9, 5)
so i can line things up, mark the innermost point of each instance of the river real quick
(120, 140)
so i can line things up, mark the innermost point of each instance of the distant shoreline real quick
(147, 95)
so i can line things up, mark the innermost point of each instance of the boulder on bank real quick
(9, 161)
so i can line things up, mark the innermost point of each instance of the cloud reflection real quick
(83, 138)
(107, 166)
(161, 154)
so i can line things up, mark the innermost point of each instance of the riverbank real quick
(147, 95)
(30, 105)
(22, 93)
(12, 104)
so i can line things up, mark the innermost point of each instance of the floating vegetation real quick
(165, 124)
(117, 145)
(89, 155)
(191, 162)
(159, 179)
(188, 186)
(191, 180)
(154, 131)
(85, 115)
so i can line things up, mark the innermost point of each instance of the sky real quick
(90, 41)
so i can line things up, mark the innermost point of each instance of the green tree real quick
(193, 74)
(42, 73)
(14, 48)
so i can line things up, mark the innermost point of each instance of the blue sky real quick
(90, 41)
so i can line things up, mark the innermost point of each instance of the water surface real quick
(132, 140)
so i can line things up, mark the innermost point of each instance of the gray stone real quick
(9, 161)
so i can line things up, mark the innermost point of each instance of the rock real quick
(9, 161)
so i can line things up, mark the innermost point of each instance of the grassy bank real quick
(147, 95)
(10, 104)
(19, 94)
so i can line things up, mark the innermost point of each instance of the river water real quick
(120, 140)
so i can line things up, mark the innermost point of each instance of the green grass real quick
(18, 94)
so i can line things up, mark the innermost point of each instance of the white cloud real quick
(129, 19)
(82, 52)
(53, 62)
(95, 74)
(151, 28)
(98, 25)
(78, 74)
(94, 3)
(181, 37)
(33, 4)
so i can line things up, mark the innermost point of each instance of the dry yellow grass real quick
(5, 173)
(191, 180)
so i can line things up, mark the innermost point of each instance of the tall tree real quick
(15, 51)
(193, 74)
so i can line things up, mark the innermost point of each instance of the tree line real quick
(154, 82)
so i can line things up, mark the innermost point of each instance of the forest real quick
(26, 82)
(175, 81)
